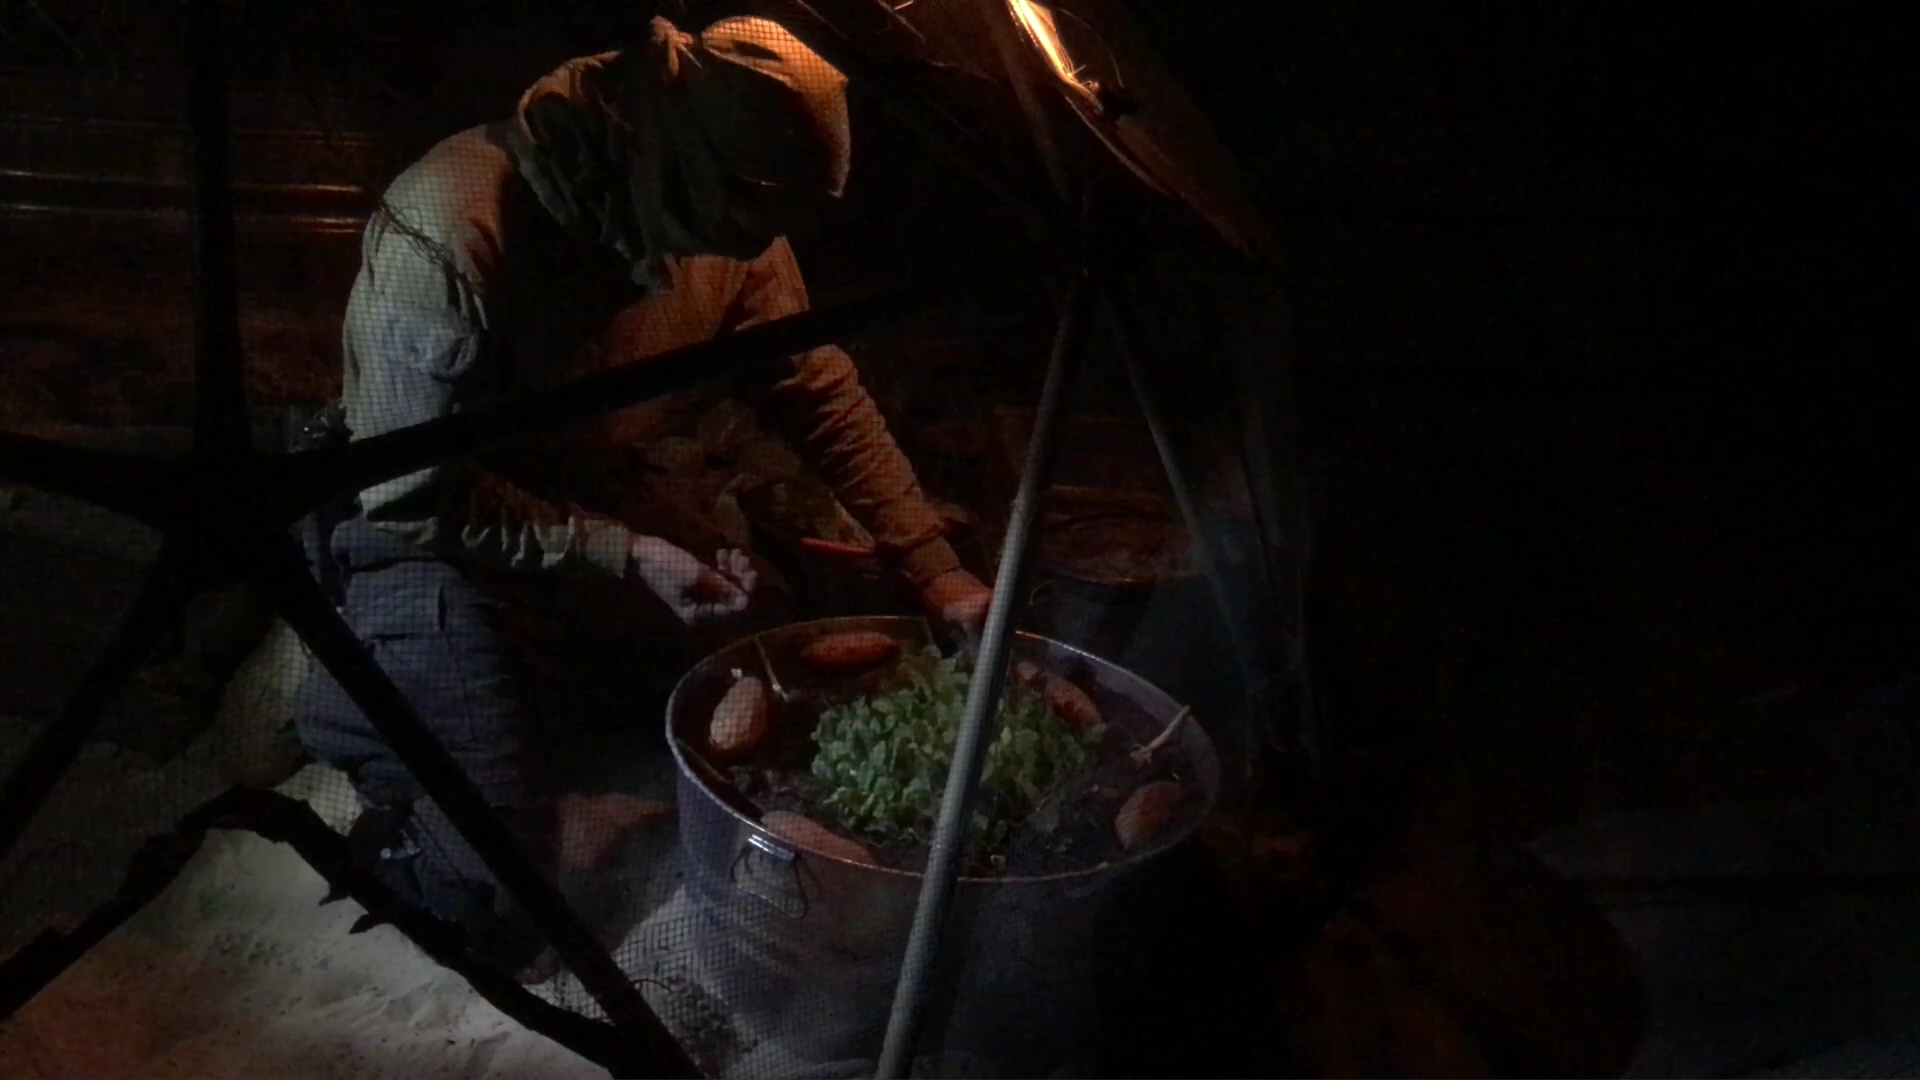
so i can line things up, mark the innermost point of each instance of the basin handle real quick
(769, 872)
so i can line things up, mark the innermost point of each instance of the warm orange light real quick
(1039, 24)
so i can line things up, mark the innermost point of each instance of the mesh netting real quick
(579, 770)
(414, 246)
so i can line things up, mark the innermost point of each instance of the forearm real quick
(818, 404)
(503, 524)
(821, 407)
(491, 520)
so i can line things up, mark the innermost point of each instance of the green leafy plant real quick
(884, 758)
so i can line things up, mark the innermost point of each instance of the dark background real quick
(1599, 327)
(1600, 319)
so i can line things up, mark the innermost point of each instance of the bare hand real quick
(696, 592)
(960, 599)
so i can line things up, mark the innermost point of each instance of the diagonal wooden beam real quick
(310, 480)
(138, 487)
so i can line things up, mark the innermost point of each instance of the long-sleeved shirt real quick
(469, 292)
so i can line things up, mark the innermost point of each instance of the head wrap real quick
(652, 151)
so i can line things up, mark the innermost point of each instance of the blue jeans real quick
(429, 628)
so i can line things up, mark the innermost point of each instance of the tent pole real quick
(983, 693)
(1201, 524)
(220, 425)
(1020, 72)
(937, 886)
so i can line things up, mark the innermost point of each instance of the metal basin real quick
(805, 948)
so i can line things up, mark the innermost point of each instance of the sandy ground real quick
(237, 971)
